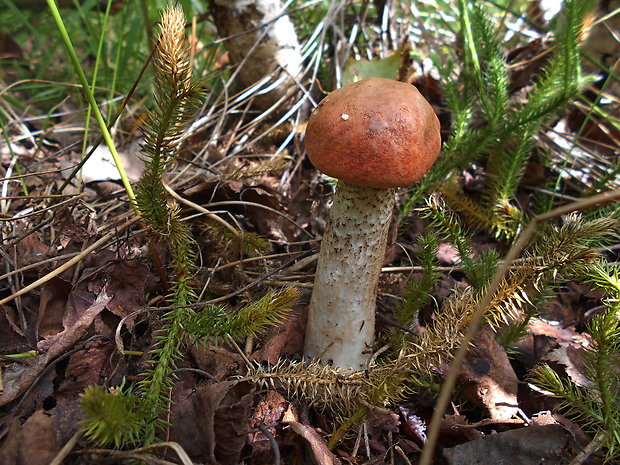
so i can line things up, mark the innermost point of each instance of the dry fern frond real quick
(557, 256)
(323, 386)
(345, 391)
(563, 250)
(502, 220)
(460, 202)
(429, 351)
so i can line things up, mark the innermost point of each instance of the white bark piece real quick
(260, 39)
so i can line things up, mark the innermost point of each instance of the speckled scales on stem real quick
(341, 315)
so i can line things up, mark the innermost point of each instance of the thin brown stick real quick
(241, 290)
(49, 207)
(203, 210)
(264, 207)
(36, 173)
(69, 263)
(33, 197)
(141, 452)
(67, 448)
(587, 451)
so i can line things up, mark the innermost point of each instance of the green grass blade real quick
(91, 99)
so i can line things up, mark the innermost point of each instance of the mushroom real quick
(373, 135)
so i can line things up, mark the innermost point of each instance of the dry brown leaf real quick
(572, 359)
(223, 410)
(489, 378)
(551, 445)
(17, 377)
(52, 306)
(126, 283)
(33, 443)
(74, 330)
(284, 339)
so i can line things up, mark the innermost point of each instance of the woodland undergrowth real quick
(490, 126)
(134, 415)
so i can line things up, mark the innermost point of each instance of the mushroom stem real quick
(341, 319)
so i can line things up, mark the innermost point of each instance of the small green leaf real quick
(356, 70)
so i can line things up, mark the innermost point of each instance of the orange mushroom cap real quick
(375, 132)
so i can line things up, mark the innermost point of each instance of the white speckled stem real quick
(341, 319)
